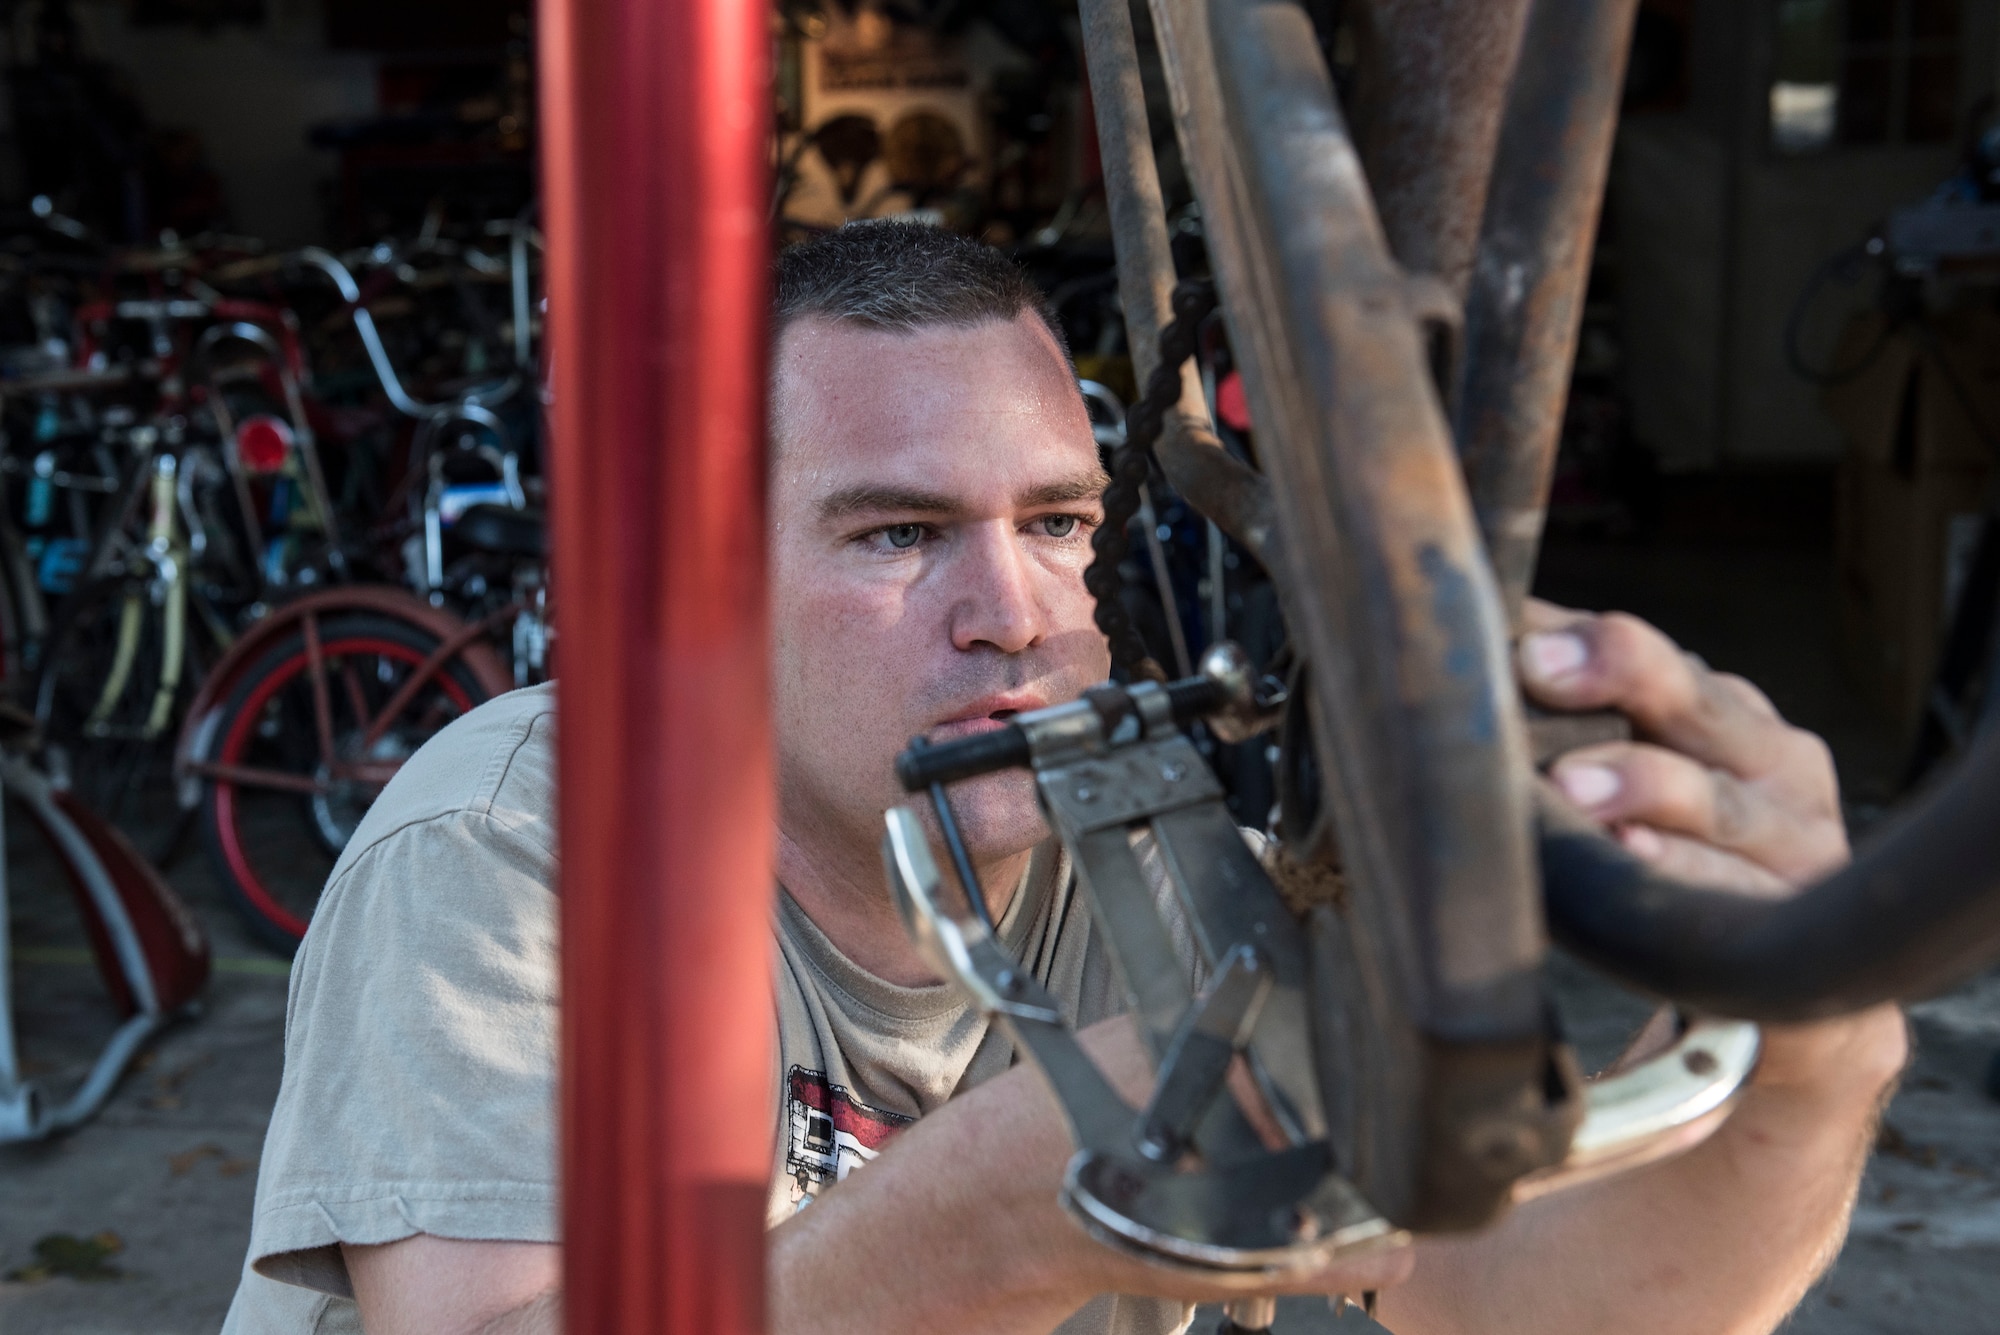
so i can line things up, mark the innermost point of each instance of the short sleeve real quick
(419, 1085)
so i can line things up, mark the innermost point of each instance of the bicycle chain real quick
(1193, 299)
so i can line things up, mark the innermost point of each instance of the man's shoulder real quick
(497, 763)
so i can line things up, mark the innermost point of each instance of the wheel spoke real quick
(357, 698)
(256, 776)
(322, 703)
(375, 773)
(398, 702)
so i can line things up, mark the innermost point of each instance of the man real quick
(934, 489)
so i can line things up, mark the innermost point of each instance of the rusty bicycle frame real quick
(1404, 301)
(1401, 520)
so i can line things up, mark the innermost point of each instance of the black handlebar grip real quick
(1003, 748)
(1194, 697)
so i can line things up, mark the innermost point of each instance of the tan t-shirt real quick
(419, 1086)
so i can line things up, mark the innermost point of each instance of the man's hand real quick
(1715, 788)
(1719, 789)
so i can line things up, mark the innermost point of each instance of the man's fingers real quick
(1541, 614)
(1624, 782)
(1619, 662)
(1697, 863)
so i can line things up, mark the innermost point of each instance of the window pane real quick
(1931, 19)
(1864, 100)
(1871, 20)
(1932, 113)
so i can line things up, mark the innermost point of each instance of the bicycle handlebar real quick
(1915, 912)
(378, 355)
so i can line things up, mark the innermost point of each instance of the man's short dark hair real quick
(903, 276)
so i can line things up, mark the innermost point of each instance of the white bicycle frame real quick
(26, 1112)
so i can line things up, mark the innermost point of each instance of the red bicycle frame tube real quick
(655, 160)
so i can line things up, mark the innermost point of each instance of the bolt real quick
(1121, 1186)
(1699, 1061)
(1086, 794)
(1173, 771)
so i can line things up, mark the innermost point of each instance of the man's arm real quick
(1725, 1239)
(1722, 1241)
(425, 1285)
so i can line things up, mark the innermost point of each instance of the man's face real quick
(933, 497)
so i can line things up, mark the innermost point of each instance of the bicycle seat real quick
(503, 530)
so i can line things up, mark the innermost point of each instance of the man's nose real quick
(997, 603)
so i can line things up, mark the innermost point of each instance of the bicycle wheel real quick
(307, 739)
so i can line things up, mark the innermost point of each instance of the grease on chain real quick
(1193, 299)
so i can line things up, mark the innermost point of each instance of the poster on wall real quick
(891, 126)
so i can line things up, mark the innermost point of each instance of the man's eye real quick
(903, 535)
(1059, 526)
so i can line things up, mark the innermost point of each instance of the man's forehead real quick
(994, 403)
(852, 373)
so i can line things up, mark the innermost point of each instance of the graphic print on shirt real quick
(829, 1132)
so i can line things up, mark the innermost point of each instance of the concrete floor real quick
(170, 1165)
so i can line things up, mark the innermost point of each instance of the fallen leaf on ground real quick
(166, 1094)
(77, 1258)
(1891, 1140)
(180, 1165)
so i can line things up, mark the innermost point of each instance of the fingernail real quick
(1589, 785)
(1552, 654)
(1641, 842)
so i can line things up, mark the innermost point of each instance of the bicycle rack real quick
(1401, 1038)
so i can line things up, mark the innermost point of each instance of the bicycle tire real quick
(277, 912)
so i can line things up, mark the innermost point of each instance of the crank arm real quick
(1234, 1213)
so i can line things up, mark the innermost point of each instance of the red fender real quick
(198, 726)
(171, 941)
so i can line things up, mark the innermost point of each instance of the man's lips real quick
(984, 716)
